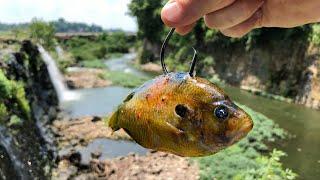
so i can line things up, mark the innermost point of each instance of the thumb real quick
(178, 13)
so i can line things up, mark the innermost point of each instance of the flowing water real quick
(64, 94)
(303, 150)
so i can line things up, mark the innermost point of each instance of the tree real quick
(147, 13)
(42, 32)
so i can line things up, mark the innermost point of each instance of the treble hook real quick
(164, 45)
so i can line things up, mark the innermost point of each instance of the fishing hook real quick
(164, 45)
(193, 63)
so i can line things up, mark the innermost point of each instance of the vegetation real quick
(12, 99)
(60, 25)
(269, 96)
(244, 159)
(147, 13)
(123, 79)
(9, 27)
(315, 35)
(92, 53)
(42, 32)
(15, 121)
(92, 64)
(268, 168)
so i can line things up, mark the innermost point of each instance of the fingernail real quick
(172, 12)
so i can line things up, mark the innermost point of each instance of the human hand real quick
(236, 18)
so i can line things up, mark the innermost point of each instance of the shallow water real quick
(96, 102)
(123, 64)
(118, 148)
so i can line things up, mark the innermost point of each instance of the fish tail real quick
(113, 121)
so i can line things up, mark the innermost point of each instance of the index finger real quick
(178, 13)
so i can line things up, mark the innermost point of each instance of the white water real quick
(59, 51)
(62, 90)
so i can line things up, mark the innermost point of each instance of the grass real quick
(268, 95)
(18, 34)
(244, 160)
(93, 64)
(124, 79)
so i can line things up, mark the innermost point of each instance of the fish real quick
(181, 114)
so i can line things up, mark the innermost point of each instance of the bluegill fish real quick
(183, 115)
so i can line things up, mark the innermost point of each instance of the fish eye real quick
(221, 112)
(181, 110)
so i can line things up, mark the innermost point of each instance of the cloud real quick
(107, 13)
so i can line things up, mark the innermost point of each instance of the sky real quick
(106, 13)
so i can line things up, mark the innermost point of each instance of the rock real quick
(83, 130)
(96, 154)
(151, 67)
(86, 78)
(64, 171)
(152, 166)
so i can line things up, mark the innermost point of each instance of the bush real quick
(315, 34)
(12, 93)
(42, 32)
(267, 168)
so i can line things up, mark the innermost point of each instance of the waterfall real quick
(57, 79)
(59, 51)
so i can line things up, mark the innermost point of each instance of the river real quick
(303, 150)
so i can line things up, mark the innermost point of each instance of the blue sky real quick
(106, 13)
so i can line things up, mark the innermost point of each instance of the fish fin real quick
(113, 121)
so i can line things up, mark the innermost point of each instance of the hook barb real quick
(164, 45)
(193, 63)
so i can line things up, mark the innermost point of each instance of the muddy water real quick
(303, 150)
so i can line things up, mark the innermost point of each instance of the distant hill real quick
(8, 27)
(60, 25)
(63, 26)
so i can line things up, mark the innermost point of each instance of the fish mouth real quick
(232, 136)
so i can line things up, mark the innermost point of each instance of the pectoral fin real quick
(113, 121)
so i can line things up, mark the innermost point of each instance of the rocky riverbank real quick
(73, 138)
